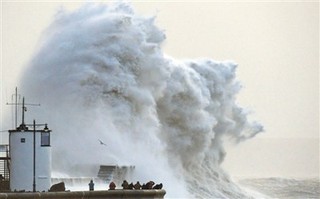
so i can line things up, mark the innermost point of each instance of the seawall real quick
(136, 194)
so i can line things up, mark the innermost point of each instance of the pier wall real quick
(117, 194)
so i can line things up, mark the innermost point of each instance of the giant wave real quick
(100, 73)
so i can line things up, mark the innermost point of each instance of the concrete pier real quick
(110, 194)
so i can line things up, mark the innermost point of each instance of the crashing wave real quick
(100, 73)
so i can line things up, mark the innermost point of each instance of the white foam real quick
(100, 74)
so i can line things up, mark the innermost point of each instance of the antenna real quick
(16, 95)
(24, 108)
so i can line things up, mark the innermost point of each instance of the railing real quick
(4, 168)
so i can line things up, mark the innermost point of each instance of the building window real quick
(23, 140)
(45, 139)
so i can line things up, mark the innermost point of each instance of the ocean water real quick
(283, 188)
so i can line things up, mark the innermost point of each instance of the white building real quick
(30, 153)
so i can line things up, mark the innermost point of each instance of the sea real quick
(282, 188)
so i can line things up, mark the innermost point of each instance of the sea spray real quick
(100, 74)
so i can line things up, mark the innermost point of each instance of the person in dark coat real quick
(112, 186)
(137, 186)
(158, 186)
(125, 184)
(91, 185)
(150, 184)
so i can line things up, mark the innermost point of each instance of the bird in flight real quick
(102, 143)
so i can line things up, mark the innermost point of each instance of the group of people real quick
(131, 186)
(137, 186)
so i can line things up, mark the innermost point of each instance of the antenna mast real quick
(24, 108)
(16, 107)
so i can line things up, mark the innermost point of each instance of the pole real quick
(23, 109)
(34, 156)
(16, 104)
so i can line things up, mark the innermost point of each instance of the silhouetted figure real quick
(137, 185)
(144, 186)
(150, 184)
(158, 186)
(130, 186)
(125, 185)
(91, 185)
(112, 186)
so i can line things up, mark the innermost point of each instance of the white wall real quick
(22, 162)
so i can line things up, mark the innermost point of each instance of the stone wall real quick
(131, 194)
(4, 185)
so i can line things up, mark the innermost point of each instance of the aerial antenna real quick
(16, 95)
(24, 108)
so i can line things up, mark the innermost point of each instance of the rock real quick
(57, 187)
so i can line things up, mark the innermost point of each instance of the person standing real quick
(91, 185)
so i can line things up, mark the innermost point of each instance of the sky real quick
(276, 45)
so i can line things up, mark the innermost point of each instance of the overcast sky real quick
(275, 44)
